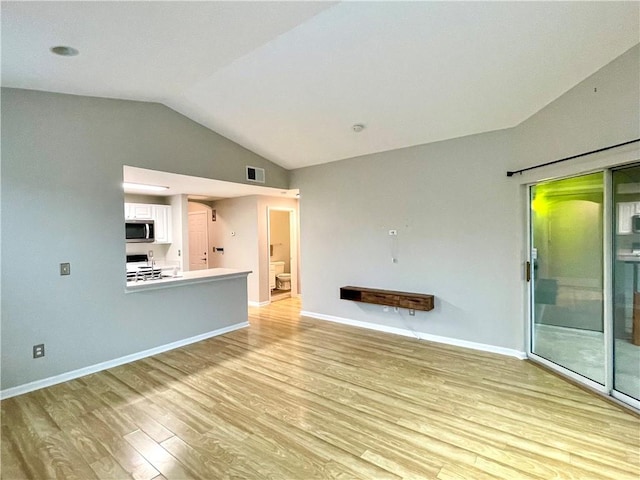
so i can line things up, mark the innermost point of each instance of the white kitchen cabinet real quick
(162, 223)
(626, 210)
(272, 276)
(140, 211)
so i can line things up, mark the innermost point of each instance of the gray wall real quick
(454, 210)
(582, 119)
(62, 201)
(460, 220)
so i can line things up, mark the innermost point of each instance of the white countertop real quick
(186, 278)
(628, 257)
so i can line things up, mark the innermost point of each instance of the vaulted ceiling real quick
(288, 80)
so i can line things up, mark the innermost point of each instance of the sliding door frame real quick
(606, 162)
(606, 289)
(607, 258)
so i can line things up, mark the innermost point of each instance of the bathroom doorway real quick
(283, 253)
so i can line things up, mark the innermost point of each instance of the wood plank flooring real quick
(297, 398)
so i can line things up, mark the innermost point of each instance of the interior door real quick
(198, 241)
(567, 287)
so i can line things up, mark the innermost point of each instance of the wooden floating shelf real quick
(412, 301)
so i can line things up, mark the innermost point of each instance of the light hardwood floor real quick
(296, 398)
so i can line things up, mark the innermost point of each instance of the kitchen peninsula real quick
(187, 278)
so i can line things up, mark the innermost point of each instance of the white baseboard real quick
(421, 335)
(259, 304)
(81, 372)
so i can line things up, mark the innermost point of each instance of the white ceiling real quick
(289, 79)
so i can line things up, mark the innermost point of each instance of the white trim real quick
(607, 272)
(528, 285)
(420, 335)
(258, 304)
(81, 372)
(629, 401)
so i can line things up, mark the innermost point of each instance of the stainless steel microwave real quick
(140, 231)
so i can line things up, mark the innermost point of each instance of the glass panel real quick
(567, 274)
(626, 298)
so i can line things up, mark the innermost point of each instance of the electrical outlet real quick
(150, 254)
(393, 233)
(38, 350)
(385, 309)
(65, 269)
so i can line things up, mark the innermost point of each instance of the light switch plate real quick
(65, 269)
(38, 350)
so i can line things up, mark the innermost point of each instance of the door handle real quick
(527, 271)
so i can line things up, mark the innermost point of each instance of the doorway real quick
(198, 241)
(584, 299)
(283, 253)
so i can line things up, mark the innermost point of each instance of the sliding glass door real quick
(567, 281)
(585, 279)
(626, 290)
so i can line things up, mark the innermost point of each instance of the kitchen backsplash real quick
(159, 251)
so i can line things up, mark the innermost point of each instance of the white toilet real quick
(277, 277)
(283, 281)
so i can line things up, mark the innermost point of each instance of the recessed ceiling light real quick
(141, 186)
(358, 127)
(64, 51)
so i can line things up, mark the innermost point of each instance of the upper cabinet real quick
(160, 214)
(626, 210)
(162, 218)
(140, 211)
